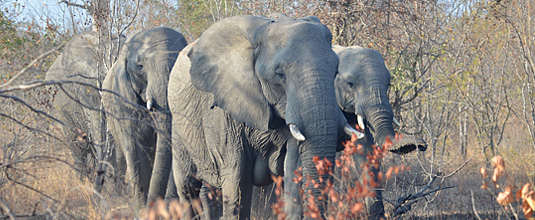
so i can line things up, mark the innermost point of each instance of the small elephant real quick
(139, 117)
(361, 88)
(83, 60)
(247, 86)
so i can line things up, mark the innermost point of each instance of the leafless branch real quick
(7, 210)
(68, 3)
(5, 85)
(28, 127)
(474, 205)
(404, 204)
(459, 168)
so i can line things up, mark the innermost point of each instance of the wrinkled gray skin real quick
(361, 88)
(140, 120)
(250, 78)
(79, 105)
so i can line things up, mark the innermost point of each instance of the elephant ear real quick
(223, 63)
(119, 82)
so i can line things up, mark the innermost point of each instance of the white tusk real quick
(349, 131)
(396, 121)
(296, 132)
(149, 104)
(360, 120)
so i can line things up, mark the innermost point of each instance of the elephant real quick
(136, 100)
(247, 86)
(361, 86)
(83, 61)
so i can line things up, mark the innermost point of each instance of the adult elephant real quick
(84, 63)
(238, 93)
(361, 88)
(139, 117)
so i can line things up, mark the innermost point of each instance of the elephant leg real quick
(211, 202)
(292, 194)
(134, 180)
(263, 199)
(139, 168)
(237, 193)
(171, 192)
(187, 186)
(120, 169)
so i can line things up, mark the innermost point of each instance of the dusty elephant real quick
(361, 87)
(83, 62)
(244, 88)
(139, 117)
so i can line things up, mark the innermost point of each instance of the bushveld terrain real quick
(463, 78)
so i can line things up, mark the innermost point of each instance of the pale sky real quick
(41, 10)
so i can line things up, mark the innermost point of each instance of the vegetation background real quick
(463, 77)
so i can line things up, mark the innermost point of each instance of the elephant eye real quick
(280, 75)
(350, 85)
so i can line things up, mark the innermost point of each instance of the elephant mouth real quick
(408, 144)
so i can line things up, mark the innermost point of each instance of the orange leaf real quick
(496, 175)
(505, 197)
(388, 142)
(389, 172)
(484, 173)
(356, 208)
(485, 185)
(498, 162)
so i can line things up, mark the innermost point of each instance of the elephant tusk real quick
(349, 131)
(396, 121)
(296, 132)
(360, 120)
(149, 104)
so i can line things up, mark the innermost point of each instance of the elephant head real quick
(361, 86)
(140, 76)
(84, 60)
(274, 71)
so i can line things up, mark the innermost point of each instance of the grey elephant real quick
(361, 88)
(83, 62)
(239, 93)
(139, 117)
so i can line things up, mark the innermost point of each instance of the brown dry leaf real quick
(526, 189)
(484, 173)
(389, 172)
(498, 163)
(485, 185)
(161, 209)
(176, 209)
(526, 209)
(528, 200)
(496, 175)
(356, 208)
(506, 197)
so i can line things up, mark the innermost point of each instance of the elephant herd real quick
(253, 97)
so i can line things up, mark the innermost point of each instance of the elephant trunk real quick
(157, 103)
(380, 115)
(320, 121)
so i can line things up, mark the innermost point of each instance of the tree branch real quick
(68, 3)
(402, 206)
(30, 65)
